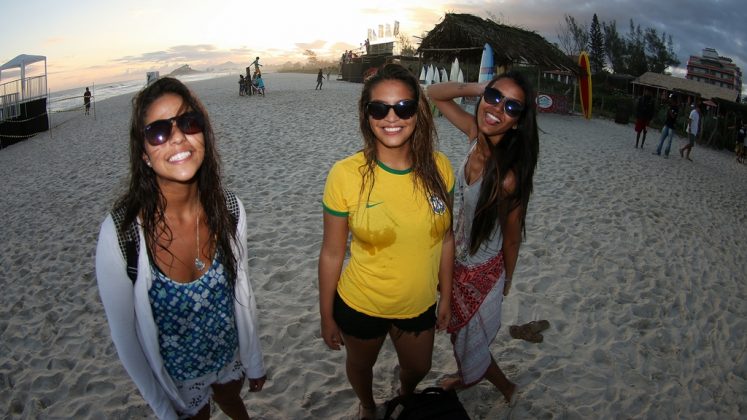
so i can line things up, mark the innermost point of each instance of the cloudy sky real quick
(88, 41)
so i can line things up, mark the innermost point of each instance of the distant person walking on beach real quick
(644, 112)
(87, 100)
(493, 186)
(171, 265)
(668, 129)
(393, 197)
(693, 129)
(319, 78)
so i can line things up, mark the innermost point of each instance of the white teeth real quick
(492, 117)
(180, 156)
(392, 129)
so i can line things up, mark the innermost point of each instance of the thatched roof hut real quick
(463, 36)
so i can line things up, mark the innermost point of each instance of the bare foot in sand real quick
(365, 413)
(453, 381)
(509, 394)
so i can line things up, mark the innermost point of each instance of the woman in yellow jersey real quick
(493, 188)
(394, 198)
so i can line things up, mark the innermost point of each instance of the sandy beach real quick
(638, 262)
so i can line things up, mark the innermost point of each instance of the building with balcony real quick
(715, 70)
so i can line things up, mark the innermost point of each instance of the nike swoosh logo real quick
(369, 205)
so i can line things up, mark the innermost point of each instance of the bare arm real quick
(511, 243)
(445, 278)
(331, 257)
(511, 234)
(443, 94)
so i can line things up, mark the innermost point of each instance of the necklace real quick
(199, 264)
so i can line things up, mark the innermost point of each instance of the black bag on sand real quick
(431, 404)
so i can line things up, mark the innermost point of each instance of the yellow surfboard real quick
(584, 83)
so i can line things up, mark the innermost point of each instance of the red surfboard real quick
(584, 83)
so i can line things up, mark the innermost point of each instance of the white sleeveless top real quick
(467, 196)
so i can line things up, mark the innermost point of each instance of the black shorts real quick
(360, 325)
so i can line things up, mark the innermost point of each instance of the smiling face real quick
(392, 132)
(179, 158)
(492, 120)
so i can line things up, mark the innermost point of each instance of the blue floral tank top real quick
(196, 326)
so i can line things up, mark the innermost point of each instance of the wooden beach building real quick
(23, 101)
(463, 36)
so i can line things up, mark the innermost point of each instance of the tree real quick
(311, 57)
(596, 46)
(405, 46)
(659, 51)
(572, 37)
(637, 60)
(614, 48)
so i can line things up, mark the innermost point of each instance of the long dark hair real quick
(424, 168)
(517, 152)
(144, 197)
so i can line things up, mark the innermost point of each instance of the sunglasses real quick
(157, 132)
(404, 109)
(511, 107)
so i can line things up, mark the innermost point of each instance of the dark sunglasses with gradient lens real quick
(158, 132)
(404, 109)
(511, 107)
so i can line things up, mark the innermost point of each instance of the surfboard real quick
(436, 75)
(487, 68)
(584, 83)
(444, 76)
(459, 79)
(454, 72)
(422, 76)
(429, 75)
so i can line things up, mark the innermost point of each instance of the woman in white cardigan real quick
(185, 327)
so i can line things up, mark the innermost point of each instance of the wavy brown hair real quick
(518, 152)
(143, 196)
(422, 142)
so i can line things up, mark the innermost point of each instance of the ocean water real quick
(69, 99)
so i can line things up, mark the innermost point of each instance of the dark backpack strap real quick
(129, 242)
(232, 203)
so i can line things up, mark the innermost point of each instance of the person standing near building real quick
(668, 129)
(741, 140)
(87, 100)
(693, 129)
(644, 112)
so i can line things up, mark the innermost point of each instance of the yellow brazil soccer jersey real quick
(397, 233)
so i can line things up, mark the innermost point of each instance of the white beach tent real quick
(21, 62)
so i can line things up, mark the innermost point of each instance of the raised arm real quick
(442, 95)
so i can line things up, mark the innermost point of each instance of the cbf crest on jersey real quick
(438, 206)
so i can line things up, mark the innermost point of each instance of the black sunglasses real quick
(404, 109)
(157, 132)
(511, 107)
